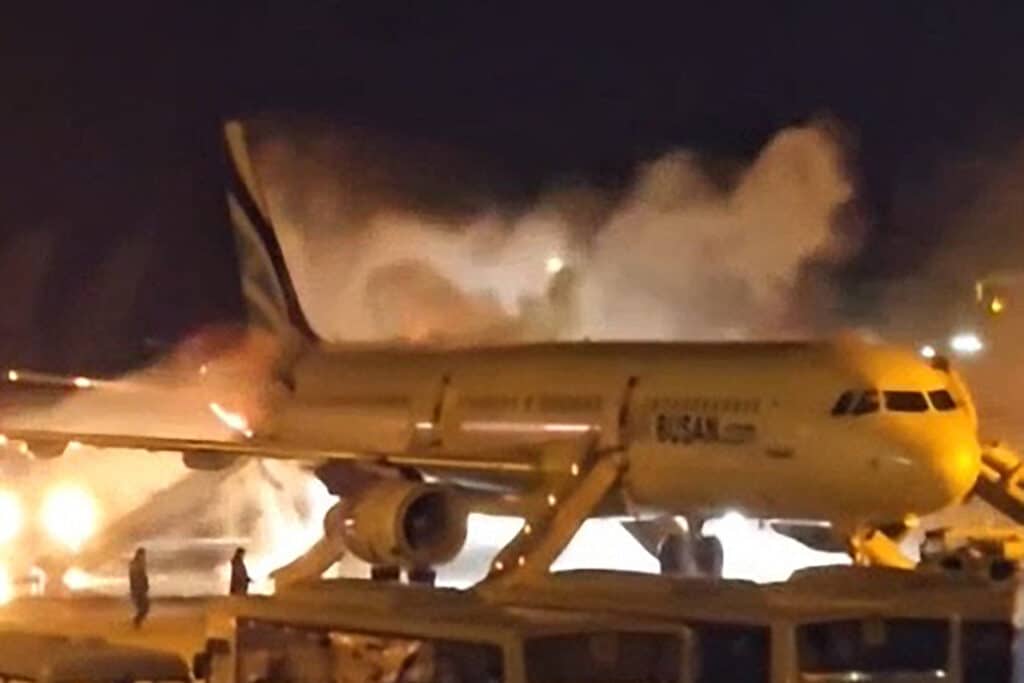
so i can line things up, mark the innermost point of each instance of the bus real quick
(825, 624)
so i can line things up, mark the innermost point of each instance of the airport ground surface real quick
(173, 624)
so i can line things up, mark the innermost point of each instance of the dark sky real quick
(111, 220)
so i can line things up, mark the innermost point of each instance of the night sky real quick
(112, 229)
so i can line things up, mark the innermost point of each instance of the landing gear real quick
(421, 575)
(425, 576)
(385, 573)
(873, 547)
(687, 554)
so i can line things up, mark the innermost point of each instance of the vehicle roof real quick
(58, 659)
(813, 595)
(896, 592)
(421, 609)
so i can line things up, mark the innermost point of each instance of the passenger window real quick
(843, 403)
(868, 403)
(905, 402)
(942, 400)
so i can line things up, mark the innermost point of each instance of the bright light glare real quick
(77, 579)
(12, 375)
(6, 586)
(966, 342)
(82, 382)
(590, 549)
(291, 538)
(554, 264)
(928, 351)
(234, 421)
(997, 305)
(759, 554)
(69, 515)
(11, 517)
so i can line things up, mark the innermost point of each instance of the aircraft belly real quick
(682, 479)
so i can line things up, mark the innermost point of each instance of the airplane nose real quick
(953, 463)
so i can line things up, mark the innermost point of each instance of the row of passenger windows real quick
(869, 401)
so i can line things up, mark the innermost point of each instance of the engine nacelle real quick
(397, 522)
(208, 460)
(47, 449)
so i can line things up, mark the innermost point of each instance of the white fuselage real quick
(705, 427)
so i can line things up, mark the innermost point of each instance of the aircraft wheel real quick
(671, 555)
(385, 573)
(422, 575)
(709, 556)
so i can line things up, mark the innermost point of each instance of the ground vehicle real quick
(355, 630)
(361, 631)
(36, 658)
(831, 624)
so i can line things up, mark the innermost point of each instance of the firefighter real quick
(239, 574)
(138, 584)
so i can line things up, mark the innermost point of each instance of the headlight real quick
(11, 517)
(69, 515)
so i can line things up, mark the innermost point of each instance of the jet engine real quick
(47, 449)
(398, 522)
(208, 460)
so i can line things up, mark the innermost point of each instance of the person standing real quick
(138, 585)
(239, 574)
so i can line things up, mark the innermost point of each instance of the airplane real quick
(411, 437)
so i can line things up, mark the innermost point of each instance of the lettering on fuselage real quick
(685, 428)
(689, 420)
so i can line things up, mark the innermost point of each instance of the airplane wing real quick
(510, 461)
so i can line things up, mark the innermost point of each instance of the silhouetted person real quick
(239, 574)
(138, 584)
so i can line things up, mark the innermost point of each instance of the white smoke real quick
(679, 255)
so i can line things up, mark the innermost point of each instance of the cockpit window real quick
(942, 400)
(905, 402)
(843, 403)
(868, 403)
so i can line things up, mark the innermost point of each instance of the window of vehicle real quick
(905, 402)
(843, 403)
(868, 403)
(987, 651)
(942, 400)
(882, 649)
(612, 657)
(284, 653)
(732, 652)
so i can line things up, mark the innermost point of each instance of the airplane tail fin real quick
(267, 287)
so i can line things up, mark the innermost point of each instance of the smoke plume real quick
(679, 254)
